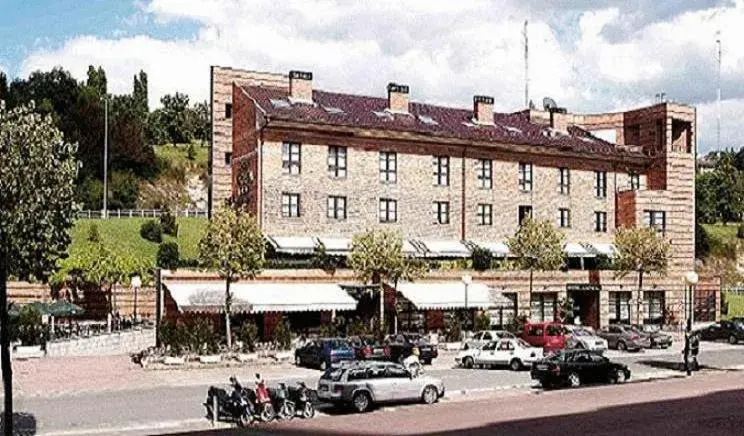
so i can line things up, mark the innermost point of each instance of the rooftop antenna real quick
(718, 90)
(526, 67)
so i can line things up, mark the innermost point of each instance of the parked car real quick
(657, 339)
(731, 331)
(624, 338)
(363, 385)
(577, 367)
(550, 336)
(585, 338)
(322, 353)
(514, 353)
(483, 337)
(401, 346)
(368, 348)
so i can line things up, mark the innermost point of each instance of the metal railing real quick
(139, 213)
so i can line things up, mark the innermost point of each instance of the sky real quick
(588, 55)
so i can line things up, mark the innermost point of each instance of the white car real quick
(512, 352)
(483, 337)
(584, 338)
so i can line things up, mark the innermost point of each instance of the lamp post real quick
(105, 157)
(467, 279)
(691, 279)
(136, 284)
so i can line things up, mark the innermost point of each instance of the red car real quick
(551, 336)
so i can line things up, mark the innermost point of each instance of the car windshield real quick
(582, 332)
(337, 344)
(333, 374)
(558, 356)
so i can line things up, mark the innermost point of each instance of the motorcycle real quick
(234, 406)
(261, 398)
(285, 408)
(300, 396)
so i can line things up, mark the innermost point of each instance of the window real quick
(228, 110)
(543, 307)
(525, 212)
(441, 212)
(291, 158)
(336, 207)
(485, 214)
(655, 219)
(485, 173)
(525, 176)
(487, 336)
(388, 210)
(620, 308)
(654, 302)
(600, 184)
(600, 222)
(396, 372)
(565, 218)
(290, 205)
(337, 161)
(505, 312)
(705, 305)
(228, 158)
(441, 170)
(635, 181)
(564, 181)
(388, 167)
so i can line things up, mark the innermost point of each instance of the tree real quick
(37, 208)
(234, 246)
(97, 80)
(377, 256)
(641, 250)
(3, 86)
(537, 245)
(178, 117)
(729, 185)
(140, 95)
(202, 122)
(706, 202)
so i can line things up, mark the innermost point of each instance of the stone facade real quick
(110, 344)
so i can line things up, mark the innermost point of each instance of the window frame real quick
(291, 158)
(635, 181)
(484, 212)
(484, 172)
(387, 211)
(564, 180)
(288, 207)
(564, 223)
(388, 174)
(650, 218)
(338, 161)
(441, 212)
(520, 217)
(441, 170)
(600, 184)
(525, 176)
(334, 205)
(228, 111)
(600, 225)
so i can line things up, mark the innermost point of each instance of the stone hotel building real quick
(318, 166)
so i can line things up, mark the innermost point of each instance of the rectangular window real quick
(388, 210)
(655, 219)
(388, 167)
(543, 307)
(635, 181)
(485, 173)
(620, 307)
(336, 207)
(441, 212)
(441, 170)
(337, 161)
(228, 110)
(228, 158)
(525, 176)
(600, 222)
(600, 184)
(291, 158)
(505, 313)
(654, 303)
(564, 181)
(485, 214)
(565, 218)
(290, 205)
(524, 213)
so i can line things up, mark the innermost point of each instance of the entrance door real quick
(586, 307)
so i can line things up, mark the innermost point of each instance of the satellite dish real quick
(549, 103)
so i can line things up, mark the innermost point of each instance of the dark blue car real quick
(322, 353)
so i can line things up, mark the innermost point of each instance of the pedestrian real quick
(694, 350)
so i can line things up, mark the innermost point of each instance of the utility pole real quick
(105, 158)
(718, 90)
(526, 67)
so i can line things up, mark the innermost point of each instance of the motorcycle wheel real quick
(267, 413)
(308, 412)
(245, 419)
(289, 410)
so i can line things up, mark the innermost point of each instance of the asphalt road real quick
(147, 411)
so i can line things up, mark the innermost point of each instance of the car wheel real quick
(621, 346)
(733, 340)
(361, 402)
(468, 363)
(546, 384)
(573, 380)
(515, 365)
(579, 346)
(298, 360)
(430, 395)
(323, 365)
(427, 362)
(619, 377)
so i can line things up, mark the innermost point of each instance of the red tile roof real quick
(370, 113)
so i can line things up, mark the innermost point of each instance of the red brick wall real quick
(245, 149)
(626, 209)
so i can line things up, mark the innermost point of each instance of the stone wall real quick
(110, 344)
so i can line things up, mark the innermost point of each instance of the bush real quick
(483, 322)
(90, 194)
(740, 231)
(168, 257)
(249, 337)
(482, 259)
(190, 152)
(702, 242)
(202, 338)
(283, 335)
(27, 327)
(453, 328)
(93, 234)
(516, 325)
(168, 223)
(151, 230)
(124, 190)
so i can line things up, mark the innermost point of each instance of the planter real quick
(283, 355)
(247, 357)
(214, 358)
(174, 360)
(28, 352)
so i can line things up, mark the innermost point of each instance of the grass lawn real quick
(736, 305)
(722, 232)
(121, 235)
(176, 156)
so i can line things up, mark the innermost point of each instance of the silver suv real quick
(362, 385)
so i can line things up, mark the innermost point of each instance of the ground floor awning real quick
(257, 297)
(499, 300)
(293, 244)
(497, 249)
(573, 249)
(446, 295)
(442, 248)
(336, 246)
(602, 249)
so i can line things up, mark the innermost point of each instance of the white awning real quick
(409, 248)
(573, 249)
(293, 244)
(445, 248)
(498, 249)
(603, 249)
(446, 295)
(257, 297)
(336, 246)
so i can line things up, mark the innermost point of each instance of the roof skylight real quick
(278, 103)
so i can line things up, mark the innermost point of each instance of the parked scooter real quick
(284, 407)
(261, 399)
(301, 397)
(233, 406)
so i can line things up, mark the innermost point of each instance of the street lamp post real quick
(136, 284)
(691, 279)
(105, 158)
(467, 280)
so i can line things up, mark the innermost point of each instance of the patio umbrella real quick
(61, 308)
(42, 307)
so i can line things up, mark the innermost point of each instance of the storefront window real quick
(705, 306)
(654, 304)
(503, 316)
(620, 307)
(543, 307)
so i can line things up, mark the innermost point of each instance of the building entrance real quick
(586, 306)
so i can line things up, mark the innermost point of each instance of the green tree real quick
(377, 256)
(729, 185)
(3, 86)
(37, 208)
(641, 250)
(157, 131)
(140, 95)
(234, 246)
(178, 117)
(706, 201)
(537, 245)
(97, 80)
(202, 122)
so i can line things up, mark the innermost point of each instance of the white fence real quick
(138, 213)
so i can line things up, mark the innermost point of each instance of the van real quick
(550, 336)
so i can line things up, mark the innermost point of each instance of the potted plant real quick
(249, 338)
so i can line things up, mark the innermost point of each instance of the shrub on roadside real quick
(94, 235)
(482, 259)
(283, 335)
(168, 223)
(483, 322)
(740, 231)
(453, 329)
(249, 337)
(151, 230)
(168, 256)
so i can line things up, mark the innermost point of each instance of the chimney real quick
(559, 119)
(397, 98)
(483, 109)
(301, 86)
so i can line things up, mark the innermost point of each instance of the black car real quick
(731, 331)
(323, 353)
(576, 367)
(401, 346)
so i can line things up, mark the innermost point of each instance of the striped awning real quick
(293, 244)
(573, 249)
(497, 249)
(445, 248)
(446, 295)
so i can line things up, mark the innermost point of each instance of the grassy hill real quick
(181, 176)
